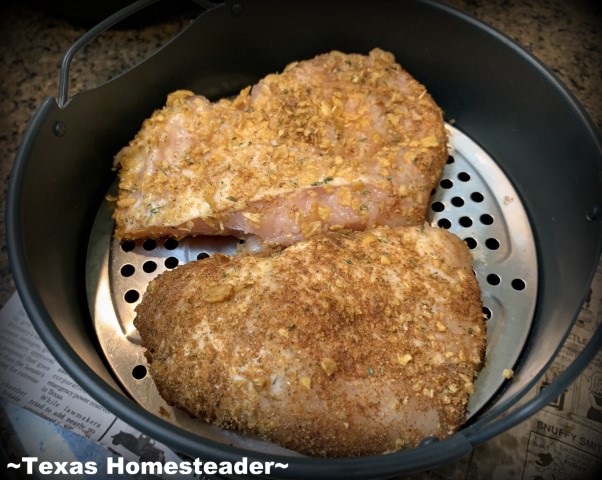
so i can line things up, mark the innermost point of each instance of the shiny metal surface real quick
(474, 200)
(490, 217)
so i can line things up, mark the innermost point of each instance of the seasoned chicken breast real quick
(339, 141)
(346, 344)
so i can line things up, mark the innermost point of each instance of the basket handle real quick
(94, 32)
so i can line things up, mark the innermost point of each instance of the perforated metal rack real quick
(474, 200)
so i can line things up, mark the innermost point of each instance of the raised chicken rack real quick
(474, 200)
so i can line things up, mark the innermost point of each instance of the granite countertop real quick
(563, 34)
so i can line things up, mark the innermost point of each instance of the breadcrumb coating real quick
(346, 344)
(340, 141)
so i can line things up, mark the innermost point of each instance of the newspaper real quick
(562, 441)
(33, 380)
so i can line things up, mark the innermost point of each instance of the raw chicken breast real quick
(346, 344)
(339, 141)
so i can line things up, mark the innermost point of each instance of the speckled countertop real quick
(563, 34)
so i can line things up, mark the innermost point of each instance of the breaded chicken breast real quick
(339, 141)
(346, 344)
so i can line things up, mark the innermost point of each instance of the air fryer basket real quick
(516, 130)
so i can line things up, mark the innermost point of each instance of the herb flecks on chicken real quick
(338, 141)
(346, 344)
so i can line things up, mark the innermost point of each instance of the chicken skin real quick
(346, 344)
(340, 141)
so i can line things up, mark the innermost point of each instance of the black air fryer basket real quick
(525, 162)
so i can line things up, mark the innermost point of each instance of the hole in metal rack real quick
(477, 197)
(457, 201)
(450, 160)
(128, 245)
(487, 313)
(444, 223)
(464, 176)
(171, 262)
(437, 206)
(202, 256)
(518, 284)
(493, 279)
(171, 244)
(446, 183)
(131, 296)
(139, 372)
(465, 222)
(127, 270)
(492, 244)
(149, 266)
(149, 244)
(486, 219)
(470, 243)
